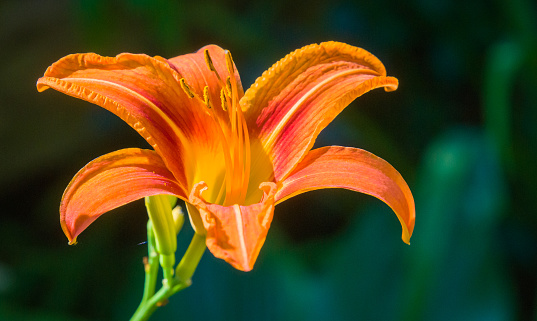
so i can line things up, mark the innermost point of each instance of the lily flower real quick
(230, 155)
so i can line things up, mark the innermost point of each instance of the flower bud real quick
(159, 210)
(178, 218)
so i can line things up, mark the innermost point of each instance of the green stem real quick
(189, 262)
(150, 267)
(170, 285)
(147, 309)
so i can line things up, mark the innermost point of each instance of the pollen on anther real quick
(208, 60)
(229, 62)
(186, 88)
(206, 97)
(223, 99)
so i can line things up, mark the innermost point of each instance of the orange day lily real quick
(230, 155)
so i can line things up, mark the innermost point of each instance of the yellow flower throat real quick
(232, 133)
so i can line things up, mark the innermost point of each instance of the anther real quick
(208, 60)
(223, 99)
(228, 85)
(186, 88)
(229, 63)
(206, 97)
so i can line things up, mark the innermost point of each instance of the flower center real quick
(232, 132)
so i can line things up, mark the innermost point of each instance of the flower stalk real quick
(151, 264)
(161, 241)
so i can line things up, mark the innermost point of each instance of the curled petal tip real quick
(391, 84)
(67, 231)
(40, 86)
(408, 224)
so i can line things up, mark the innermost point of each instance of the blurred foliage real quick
(461, 129)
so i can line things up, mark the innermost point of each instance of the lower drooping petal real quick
(110, 181)
(353, 169)
(236, 233)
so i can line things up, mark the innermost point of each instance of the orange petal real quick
(110, 181)
(236, 233)
(353, 169)
(142, 91)
(300, 95)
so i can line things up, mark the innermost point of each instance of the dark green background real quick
(461, 129)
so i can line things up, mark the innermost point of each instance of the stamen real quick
(238, 169)
(227, 158)
(229, 63)
(208, 60)
(228, 86)
(247, 156)
(232, 133)
(187, 88)
(210, 65)
(223, 99)
(206, 97)
(239, 133)
(190, 93)
(232, 116)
